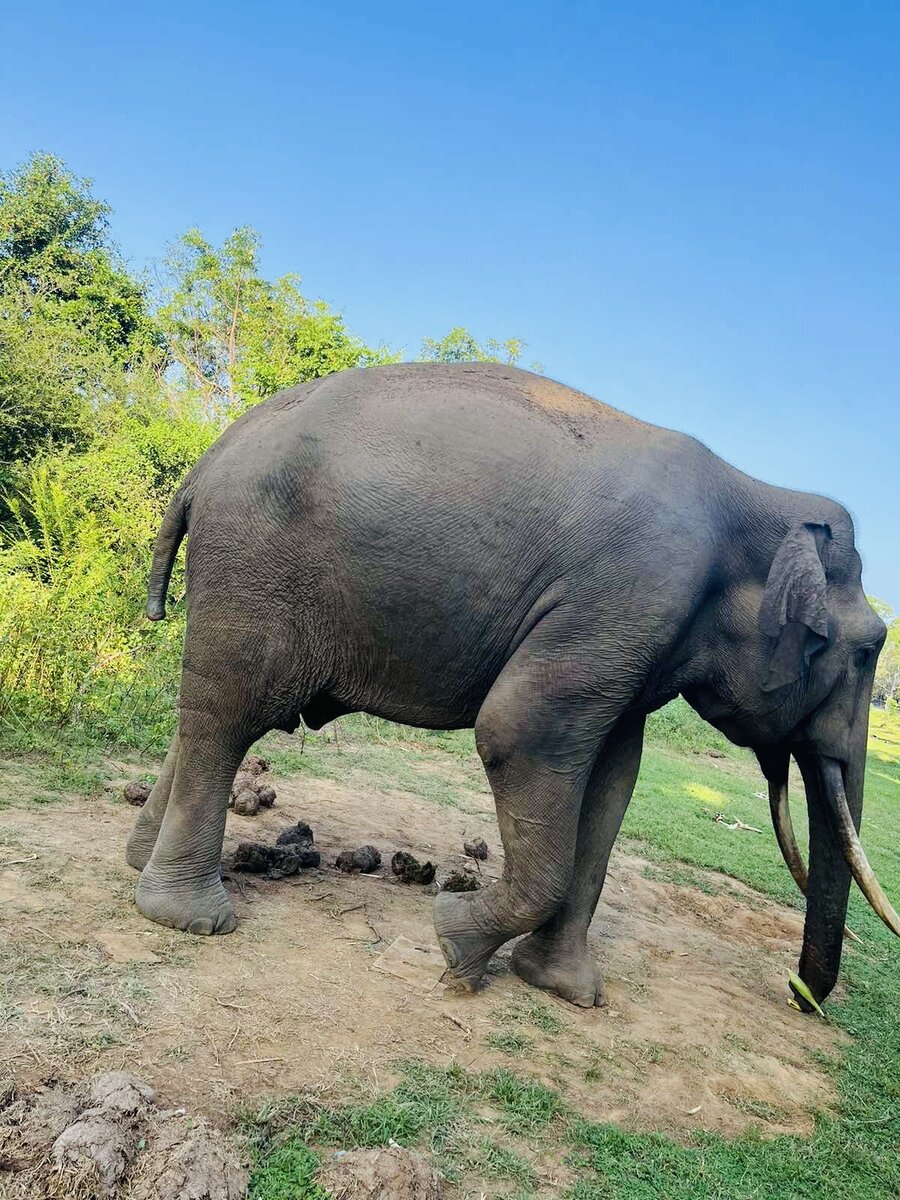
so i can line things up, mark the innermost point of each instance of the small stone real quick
(478, 848)
(364, 858)
(410, 870)
(246, 803)
(137, 793)
(460, 881)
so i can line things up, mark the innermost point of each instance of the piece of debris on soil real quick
(388, 1174)
(276, 862)
(477, 848)
(364, 858)
(410, 870)
(105, 1138)
(737, 823)
(250, 792)
(137, 793)
(419, 965)
(460, 881)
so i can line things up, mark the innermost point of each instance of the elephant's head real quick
(795, 647)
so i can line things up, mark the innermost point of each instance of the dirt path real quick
(697, 1032)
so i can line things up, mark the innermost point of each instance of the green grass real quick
(497, 1127)
(289, 1174)
(509, 1042)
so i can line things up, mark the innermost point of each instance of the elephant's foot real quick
(202, 909)
(465, 945)
(570, 972)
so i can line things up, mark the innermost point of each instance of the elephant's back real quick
(423, 514)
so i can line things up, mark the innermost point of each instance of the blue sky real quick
(691, 211)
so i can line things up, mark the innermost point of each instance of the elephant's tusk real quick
(784, 832)
(833, 787)
(787, 842)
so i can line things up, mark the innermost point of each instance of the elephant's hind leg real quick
(556, 955)
(538, 733)
(181, 885)
(146, 828)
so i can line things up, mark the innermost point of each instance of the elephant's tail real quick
(169, 538)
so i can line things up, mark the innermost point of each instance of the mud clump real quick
(106, 1138)
(477, 848)
(460, 881)
(188, 1160)
(275, 862)
(101, 1143)
(389, 1174)
(364, 859)
(249, 792)
(410, 870)
(137, 793)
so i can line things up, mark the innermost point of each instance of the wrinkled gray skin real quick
(473, 545)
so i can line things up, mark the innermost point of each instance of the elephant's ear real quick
(794, 610)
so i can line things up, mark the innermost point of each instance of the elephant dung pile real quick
(249, 792)
(106, 1137)
(477, 848)
(410, 870)
(364, 859)
(293, 851)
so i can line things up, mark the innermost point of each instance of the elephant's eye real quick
(861, 659)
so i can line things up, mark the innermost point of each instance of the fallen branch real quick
(737, 823)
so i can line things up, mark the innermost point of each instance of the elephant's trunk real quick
(834, 793)
(828, 887)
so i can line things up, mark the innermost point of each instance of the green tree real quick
(74, 326)
(57, 261)
(887, 673)
(236, 337)
(459, 345)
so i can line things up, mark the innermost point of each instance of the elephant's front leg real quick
(538, 742)
(146, 828)
(556, 955)
(181, 885)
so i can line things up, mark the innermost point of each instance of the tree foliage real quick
(887, 673)
(108, 394)
(57, 261)
(236, 337)
(459, 345)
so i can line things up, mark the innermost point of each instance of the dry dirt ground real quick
(696, 1033)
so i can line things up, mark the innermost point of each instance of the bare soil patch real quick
(314, 990)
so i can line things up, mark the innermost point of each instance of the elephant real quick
(475, 546)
